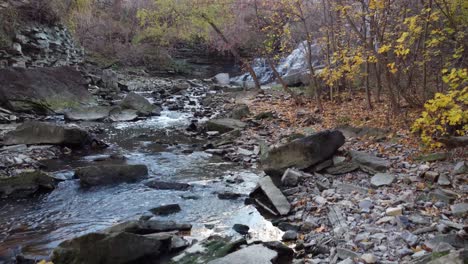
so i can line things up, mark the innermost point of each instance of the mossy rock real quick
(438, 156)
(26, 184)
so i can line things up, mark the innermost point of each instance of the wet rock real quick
(110, 174)
(460, 209)
(123, 115)
(241, 229)
(369, 162)
(139, 103)
(228, 196)
(162, 185)
(36, 133)
(91, 113)
(112, 248)
(26, 184)
(239, 111)
(224, 125)
(275, 196)
(258, 254)
(302, 153)
(291, 178)
(166, 209)
(43, 90)
(144, 227)
(289, 235)
(382, 179)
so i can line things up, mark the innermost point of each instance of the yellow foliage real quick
(446, 114)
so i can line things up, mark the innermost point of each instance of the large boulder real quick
(110, 174)
(35, 133)
(137, 102)
(26, 184)
(302, 153)
(42, 90)
(224, 125)
(110, 248)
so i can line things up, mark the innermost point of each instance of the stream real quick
(35, 226)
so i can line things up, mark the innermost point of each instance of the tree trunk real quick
(368, 93)
(296, 98)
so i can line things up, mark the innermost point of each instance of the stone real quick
(433, 157)
(346, 261)
(40, 133)
(224, 125)
(43, 90)
(228, 196)
(457, 257)
(342, 168)
(343, 253)
(410, 239)
(370, 162)
(258, 254)
(222, 78)
(289, 235)
(302, 153)
(110, 174)
(290, 178)
(163, 185)
(394, 211)
(139, 103)
(431, 176)
(166, 209)
(369, 258)
(366, 205)
(123, 115)
(451, 239)
(459, 209)
(275, 196)
(241, 229)
(110, 80)
(113, 248)
(144, 227)
(26, 184)
(92, 113)
(382, 179)
(239, 111)
(460, 168)
(444, 180)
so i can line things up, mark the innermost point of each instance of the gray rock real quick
(125, 115)
(457, 257)
(166, 209)
(113, 248)
(443, 180)
(255, 254)
(92, 113)
(110, 174)
(289, 235)
(222, 78)
(366, 206)
(36, 133)
(139, 103)
(433, 157)
(43, 90)
(26, 184)
(460, 209)
(144, 227)
(410, 239)
(277, 198)
(369, 258)
(239, 111)
(110, 80)
(452, 239)
(382, 179)
(302, 153)
(343, 253)
(224, 125)
(342, 168)
(460, 168)
(290, 178)
(369, 162)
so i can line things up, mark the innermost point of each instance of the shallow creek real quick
(35, 226)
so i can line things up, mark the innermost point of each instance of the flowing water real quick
(35, 226)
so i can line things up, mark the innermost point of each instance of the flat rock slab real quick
(162, 185)
(224, 125)
(382, 179)
(92, 113)
(370, 162)
(256, 254)
(166, 209)
(274, 194)
(110, 174)
(123, 115)
(145, 227)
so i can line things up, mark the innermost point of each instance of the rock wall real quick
(42, 46)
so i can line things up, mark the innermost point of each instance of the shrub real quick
(446, 114)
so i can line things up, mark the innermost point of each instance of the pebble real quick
(366, 206)
(369, 258)
(394, 211)
(289, 235)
